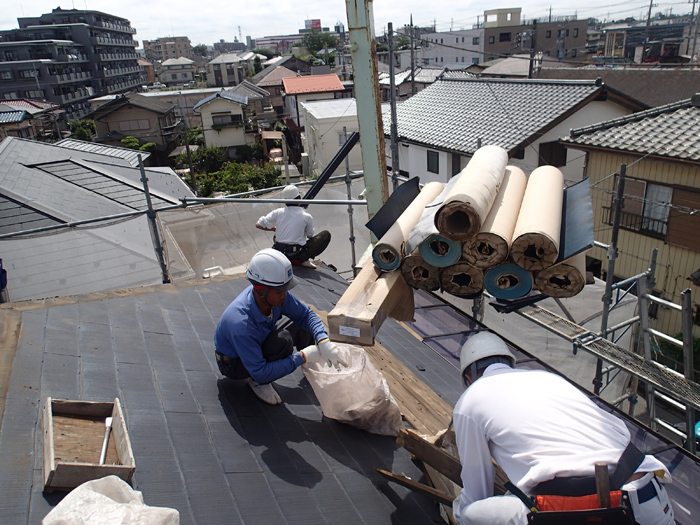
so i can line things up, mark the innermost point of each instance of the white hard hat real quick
(271, 268)
(290, 192)
(481, 346)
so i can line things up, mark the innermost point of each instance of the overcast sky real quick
(207, 21)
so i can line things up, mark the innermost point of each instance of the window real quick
(475, 41)
(441, 59)
(28, 73)
(462, 40)
(36, 93)
(134, 125)
(475, 60)
(222, 120)
(5, 75)
(173, 76)
(441, 40)
(683, 227)
(552, 154)
(548, 34)
(462, 59)
(573, 53)
(433, 161)
(504, 37)
(492, 39)
(646, 208)
(457, 40)
(436, 59)
(184, 75)
(575, 32)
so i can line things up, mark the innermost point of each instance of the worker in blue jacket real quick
(258, 332)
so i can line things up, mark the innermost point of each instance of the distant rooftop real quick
(312, 84)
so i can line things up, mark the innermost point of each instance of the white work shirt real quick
(293, 224)
(537, 426)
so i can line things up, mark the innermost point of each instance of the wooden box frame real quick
(66, 475)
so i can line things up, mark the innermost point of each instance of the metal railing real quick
(637, 223)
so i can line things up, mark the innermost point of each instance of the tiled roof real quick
(653, 87)
(225, 58)
(311, 84)
(180, 61)
(455, 114)
(670, 131)
(423, 75)
(273, 76)
(226, 95)
(457, 73)
(250, 90)
(133, 99)
(12, 116)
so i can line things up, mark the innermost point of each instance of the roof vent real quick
(695, 100)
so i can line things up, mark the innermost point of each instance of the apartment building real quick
(68, 56)
(166, 47)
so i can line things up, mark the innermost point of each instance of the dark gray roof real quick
(14, 214)
(133, 99)
(250, 90)
(653, 87)
(454, 114)
(226, 95)
(671, 131)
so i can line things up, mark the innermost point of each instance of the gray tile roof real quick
(450, 74)
(454, 114)
(226, 95)
(671, 131)
(423, 75)
(247, 89)
(134, 99)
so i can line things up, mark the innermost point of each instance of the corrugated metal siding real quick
(674, 263)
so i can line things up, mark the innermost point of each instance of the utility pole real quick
(413, 69)
(533, 50)
(646, 46)
(392, 101)
(695, 36)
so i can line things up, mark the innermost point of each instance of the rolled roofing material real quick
(462, 279)
(508, 281)
(491, 245)
(440, 251)
(564, 279)
(466, 206)
(536, 237)
(425, 226)
(387, 252)
(419, 274)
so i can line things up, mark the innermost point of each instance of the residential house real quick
(271, 81)
(290, 62)
(308, 88)
(175, 71)
(231, 69)
(183, 101)
(68, 56)
(406, 83)
(642, 42)
(661, 151)
(33, 119)
(137, 116)
(323, 133)
(148, 69)
(653, 87)
(48, 186)
(259, 109)
(441, 127)
(223, 122)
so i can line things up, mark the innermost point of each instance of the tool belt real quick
(288, 249)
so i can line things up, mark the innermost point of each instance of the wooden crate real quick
(73, 436)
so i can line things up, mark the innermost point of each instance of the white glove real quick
(313, 355)
(330, 351)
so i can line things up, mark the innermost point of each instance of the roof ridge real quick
(550, 81)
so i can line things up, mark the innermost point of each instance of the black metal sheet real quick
(576, 221)
(393, 207)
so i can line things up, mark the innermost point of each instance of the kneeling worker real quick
(547, 436)
(294, 230)
(257, 333)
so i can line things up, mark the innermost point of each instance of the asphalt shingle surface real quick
(203, 444)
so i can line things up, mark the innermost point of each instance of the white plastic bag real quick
(357, 394)
(108, 501)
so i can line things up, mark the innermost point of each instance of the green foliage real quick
(195, 136)
(200, 49)
(236, 177)
(402, 42)
(676, 353)
(249, 152)
(148, 146)
(130, 142)
(279, 126)
(316, 40)
(204, 160)
(82, 129)
(257, 65)
(265, 52)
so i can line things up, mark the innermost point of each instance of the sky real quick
(209, 21)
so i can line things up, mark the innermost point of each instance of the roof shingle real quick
(312, 84)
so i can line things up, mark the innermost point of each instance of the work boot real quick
(308, 264)
(266, 393)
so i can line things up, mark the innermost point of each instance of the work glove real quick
(313, 355)
(330, 351)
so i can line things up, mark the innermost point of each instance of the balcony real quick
(107, 41)
(70, 98)
(118, 27)
(109, 73)
(66, 78)
(72, 58)
(107, 57)
(128, 84)
(635, 222)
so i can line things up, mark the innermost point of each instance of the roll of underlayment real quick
(564, 279)
(419, 274)
(468, 203)
(491, 245)
(508, 281)
(440, 251)
(536, 237)
(462, 279)
(387, 253)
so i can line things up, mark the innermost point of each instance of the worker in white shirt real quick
(294, 231)
(546, 435)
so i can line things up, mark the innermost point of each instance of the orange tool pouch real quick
(558, 503)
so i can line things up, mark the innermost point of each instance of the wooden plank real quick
(445, 463)
(432, 493)
(47, 427)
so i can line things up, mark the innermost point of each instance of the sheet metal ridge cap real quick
(546, 81)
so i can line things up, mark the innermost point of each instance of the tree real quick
(316, 40)
(257, 66)
(82, 129)
(265, 52)
(204, 160)
(200, 49)
(133, 143)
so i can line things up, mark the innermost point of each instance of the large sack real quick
(357, 394)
